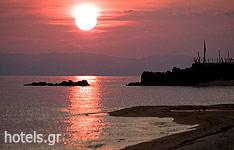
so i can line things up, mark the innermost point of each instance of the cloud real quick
(129, 11)
(230, 13)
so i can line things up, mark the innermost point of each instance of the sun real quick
(85, 15)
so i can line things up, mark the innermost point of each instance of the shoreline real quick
(215, 130)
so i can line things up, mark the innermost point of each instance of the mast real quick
(198, 56)
(204, 59)
(219, 57)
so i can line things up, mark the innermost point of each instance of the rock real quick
(37, 84)
(63, 83)
(134, 84)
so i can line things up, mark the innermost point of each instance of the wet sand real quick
(215, 130)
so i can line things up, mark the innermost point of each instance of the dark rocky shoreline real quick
(195, 75)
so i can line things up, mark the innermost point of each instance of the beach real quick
(215, 130)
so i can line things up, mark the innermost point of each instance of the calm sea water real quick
(79, 113)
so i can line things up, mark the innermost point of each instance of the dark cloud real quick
(230, 13)
(129, 11)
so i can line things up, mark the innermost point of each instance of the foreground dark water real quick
(79, 113)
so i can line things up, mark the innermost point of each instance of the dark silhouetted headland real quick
(64, 83)
(201, 73)
(198, 73)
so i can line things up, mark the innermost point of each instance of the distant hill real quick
(85, 64)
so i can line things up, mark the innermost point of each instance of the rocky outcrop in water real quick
(64, 83)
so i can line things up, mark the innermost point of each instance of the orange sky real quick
(126, 28)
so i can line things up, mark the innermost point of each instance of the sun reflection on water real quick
(90, 79)
(84, 129)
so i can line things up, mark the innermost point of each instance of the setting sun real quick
(85, 15)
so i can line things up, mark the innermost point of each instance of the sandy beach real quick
(215, 130)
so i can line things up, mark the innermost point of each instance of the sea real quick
(80, 114)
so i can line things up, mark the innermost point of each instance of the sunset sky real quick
(125, 28)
